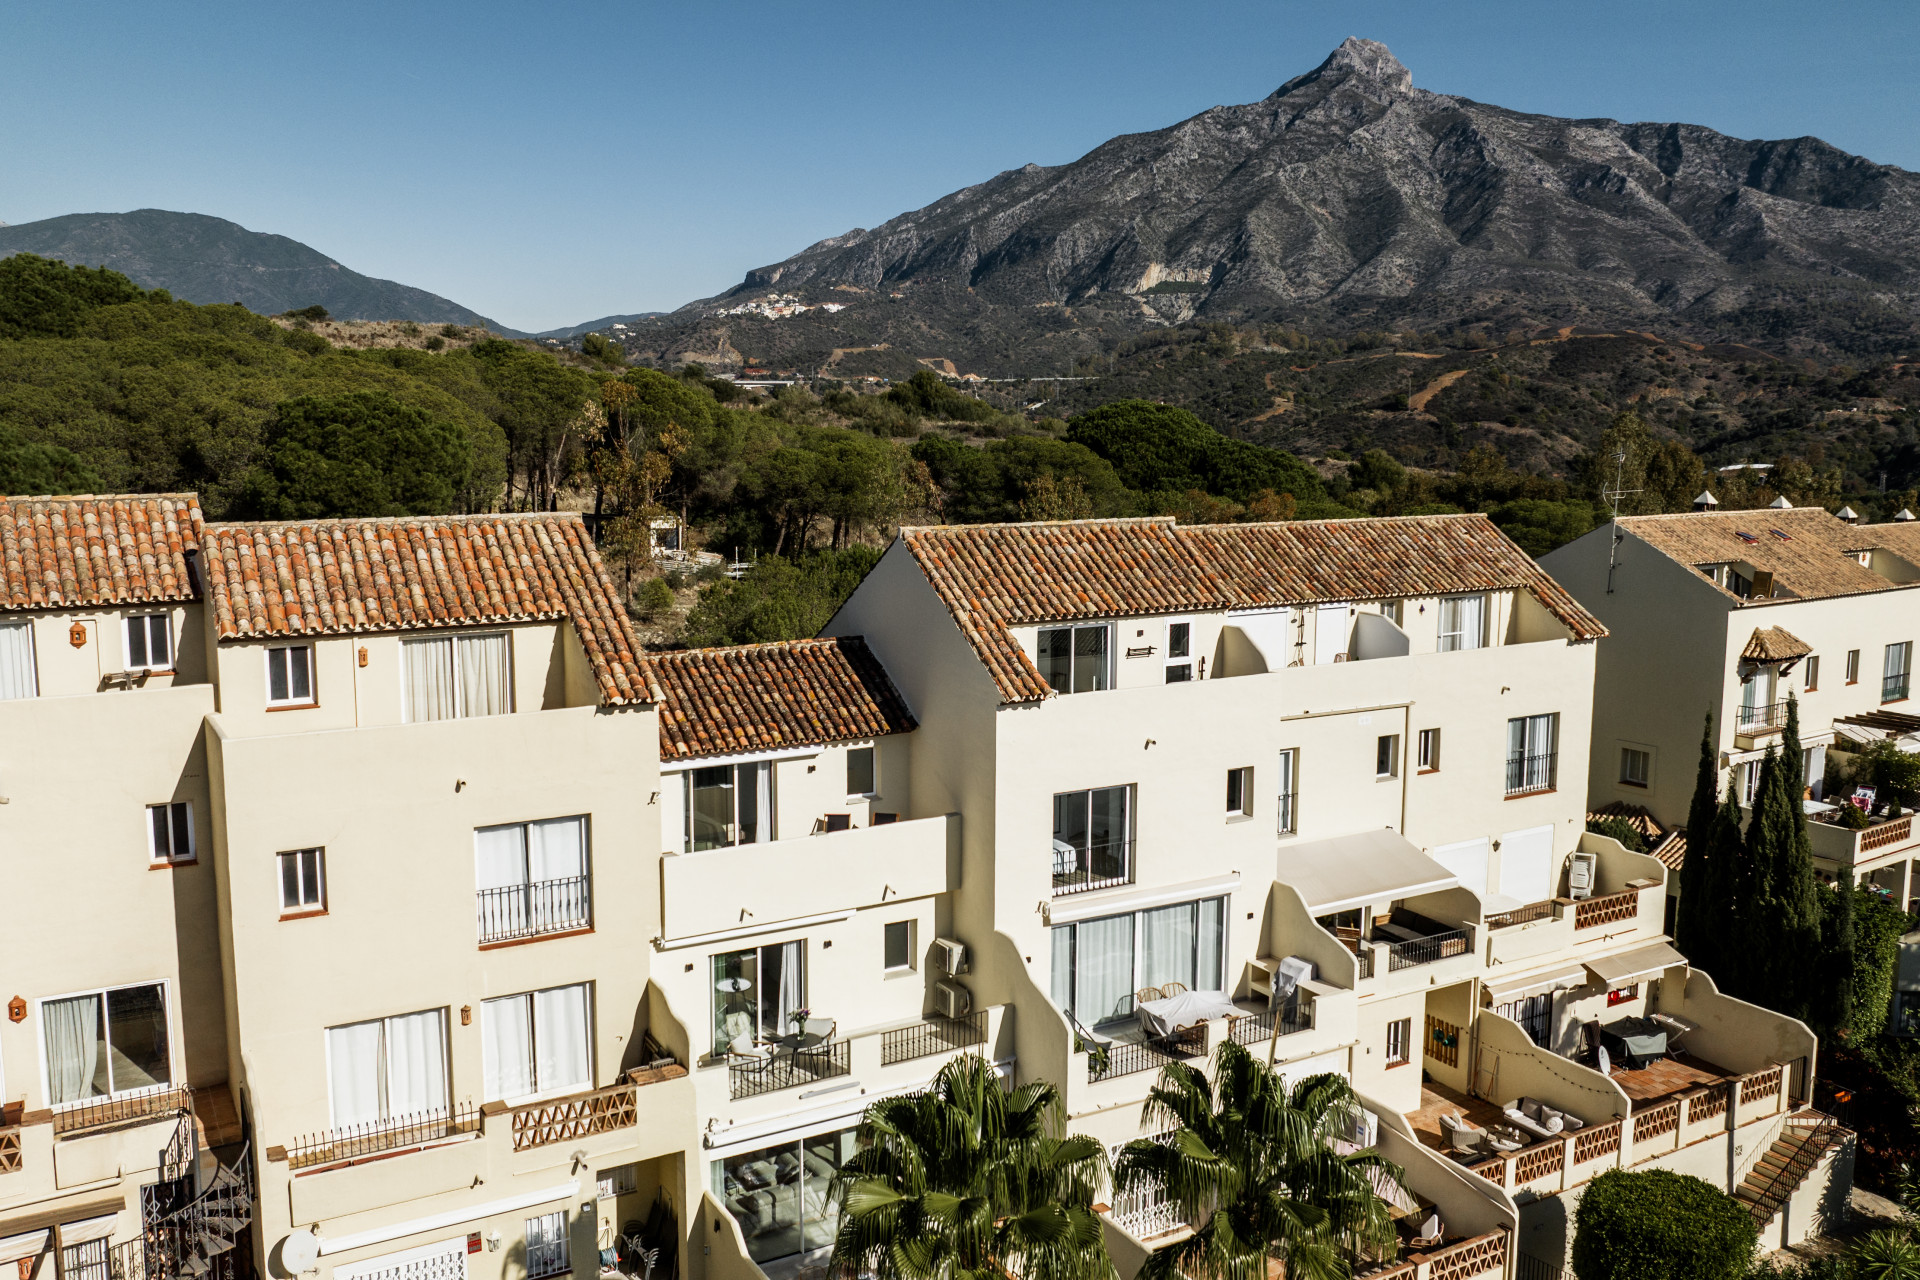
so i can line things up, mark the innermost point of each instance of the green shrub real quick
(654, 599)
(1620, 829)
(1658, 1225)
(315, 312)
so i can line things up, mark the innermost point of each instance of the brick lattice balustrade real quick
(1614, 908)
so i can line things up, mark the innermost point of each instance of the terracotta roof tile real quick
(329, 577)
(1815, 559)
(992, 577)
(763, 697)
(1672, 851)
(1774, 644)
(90, 550)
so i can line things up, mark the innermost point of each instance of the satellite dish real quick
(299, 1252)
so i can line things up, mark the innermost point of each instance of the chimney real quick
(1903, 515)
(1781, 504)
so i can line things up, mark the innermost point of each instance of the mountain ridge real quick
(203, 259)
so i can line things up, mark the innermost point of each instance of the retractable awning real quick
(1351, 871)
(29, 1244)
(1625, 968)
(1507, 990)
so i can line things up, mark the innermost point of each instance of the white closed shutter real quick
(1526, 859)
(1331, 626)
(16, 662)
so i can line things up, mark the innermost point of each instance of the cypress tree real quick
(1835, 1003)
(1780, 924)
(1725, 881)
(1695, 926)
(1798, 889)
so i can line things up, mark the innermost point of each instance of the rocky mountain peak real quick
(1368, 61)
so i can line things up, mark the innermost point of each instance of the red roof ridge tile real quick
(740, 699)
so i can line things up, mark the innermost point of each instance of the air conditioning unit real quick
(953, 956)
(1363, 1128)
(1581, 870)
(951, 1000)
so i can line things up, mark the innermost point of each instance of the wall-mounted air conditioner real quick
(953, 956)
(951, 1000)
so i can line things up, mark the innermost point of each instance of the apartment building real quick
(1727, 613)
(365, 826)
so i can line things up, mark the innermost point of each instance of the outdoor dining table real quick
(1165, 1018)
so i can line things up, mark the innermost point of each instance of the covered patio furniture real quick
(1165, 1018)
(1636, 1041)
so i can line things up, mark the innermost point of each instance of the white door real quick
(1466, 859)
(1331, 626)
(1526, 864)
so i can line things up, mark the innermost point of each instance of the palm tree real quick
(1253, 1165)
(970, 1181)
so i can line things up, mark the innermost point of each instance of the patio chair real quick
(1145, 994)
(745, 1056)
(1172, 989)
(1462, 1135)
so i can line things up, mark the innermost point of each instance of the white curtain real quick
(427, 667)
(506, 1033)
(557, 849)
(790, 989)
(499, 856)
(353, 1066)
(16, 662)
(1168, 937)
(1103, 963)
(73, 1047)
(416, 1063)
(483, 676)
(1210, 974)
(560, 1040)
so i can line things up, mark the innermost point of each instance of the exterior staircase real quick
(1806, 1137)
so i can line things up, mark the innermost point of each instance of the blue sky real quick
(549, 164)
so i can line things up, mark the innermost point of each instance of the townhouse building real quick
(1726, 614)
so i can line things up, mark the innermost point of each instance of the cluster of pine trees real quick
(1753, 915)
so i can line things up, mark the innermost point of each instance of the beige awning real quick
(1351, 871)
(1624, 968)
(1507, 990)
(30, 1245)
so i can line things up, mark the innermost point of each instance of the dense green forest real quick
(108, 387)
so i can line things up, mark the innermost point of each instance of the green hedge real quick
(1659, 1225)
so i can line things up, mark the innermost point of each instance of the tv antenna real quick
(1613, 497)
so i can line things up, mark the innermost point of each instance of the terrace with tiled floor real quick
(1664, 1077)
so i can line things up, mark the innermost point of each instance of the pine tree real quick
(1695, 926)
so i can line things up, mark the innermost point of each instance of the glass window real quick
(1386, 756)
(1240, 792)
(149, 642)
(729, 804)
(106, 1042)
(536, 1043)
(532, 877)
(1463, 623)
(1813, 672)
(1289, 767)
(756, 992)
(1853, 666)
(782, 1195)
(446, 678)
(17, 678)
(289, 676)
(1429, 749)
(1399, 1041)
(303, 880)
(1895, 670)
(548, 1253)
(1634, 766)
(1179, 652)
(621, 1180)
(1074, 659)
(1091, 838)
(860, 771)
(387, 1068)
(1532, 753)
(170, 831)
(1099, 964)
(899, 945)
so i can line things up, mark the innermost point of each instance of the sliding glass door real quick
(1099, 964)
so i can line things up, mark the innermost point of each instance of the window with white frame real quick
(728, 804)
(538, 1042)
(756, 992)
(548, 1251)
(170, 831)
(621, 1180)
(1429, 750)
(897, 946)
(1288, 820)
(1533, 753)
(1813, 672)
(1076, 659)
(17, 676)
(1240, 792)
(387, 1068)
(1099, 964)
(303, 880)
(860, 774)
(1179, 652)
(1399, 1042)
(1386, 756)
(149, 642)
(1895, 671)
(1463, 623)
(290, 675)
(452, 677)
(1092, 838)
(1853, 666)
(531, 878)
(1749, 781)
(108, 1042)
(1635, 764)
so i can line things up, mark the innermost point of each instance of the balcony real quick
(932, 1036)
(515, 912)
(1097, 866)
(1428, 949)
(789, 1069)
(539, 1124)
(1609, 908)
(1894, 688)
(1847, 847)
(98, 1114)
(349, 1144)
(759, 885)
(1528, 775)
(1754, 721)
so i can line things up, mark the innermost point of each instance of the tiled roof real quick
(92, 550)
(1670, 847)
(1774, 644)
(992, 577)
(762, 697)
(1815, 558)
(333, 577)
(1672, 851)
